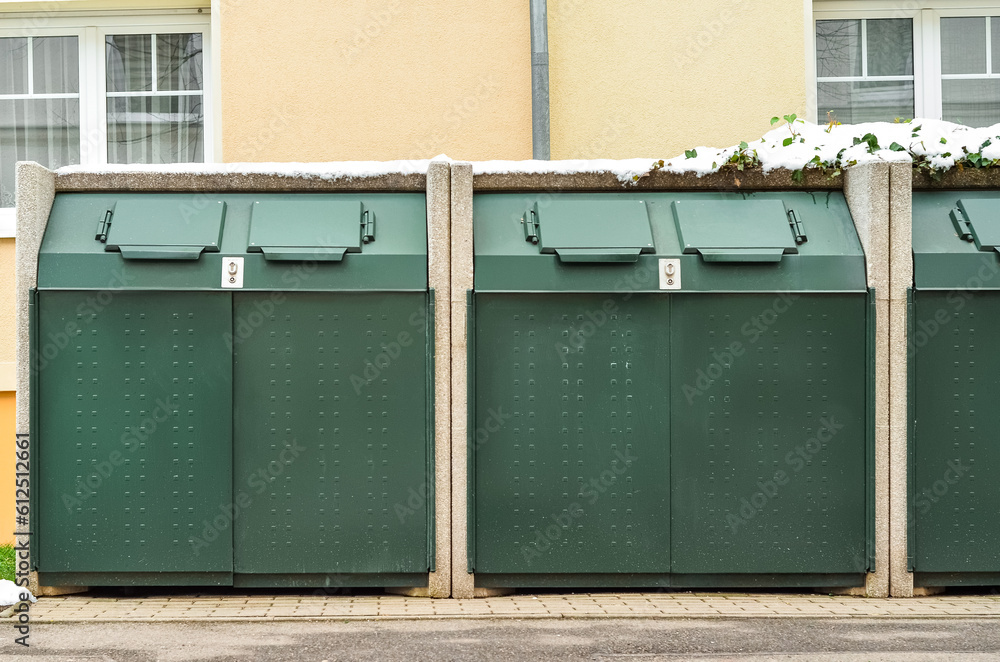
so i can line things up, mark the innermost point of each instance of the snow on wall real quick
(932, 144)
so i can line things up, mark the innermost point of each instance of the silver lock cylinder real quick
(670, 274)
(232, 272)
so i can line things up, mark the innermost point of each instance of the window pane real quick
(130, 62)
(56, 65)
(971, 102)
(838, 48)
(995, 29)
(13, 65)
(42, 130)
(166, 129)
(890, 47)
(963, 45)
(867, 101)
(178, 62)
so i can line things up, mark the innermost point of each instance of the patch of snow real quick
(933, 144)
(810, 145)
(625, 169)
(10, 593)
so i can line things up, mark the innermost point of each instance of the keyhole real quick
(232, 270)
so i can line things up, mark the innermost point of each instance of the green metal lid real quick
(983, 220)
(631, 241)
(171, 241)
(309, 229)
(956, 240)
(734, 230)
(162, 229)
(591, 231)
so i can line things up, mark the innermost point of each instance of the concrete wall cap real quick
(727, 178)
(360, 176)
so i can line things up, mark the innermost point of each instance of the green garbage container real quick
(232, 389)
(954, 334)
(669, 389)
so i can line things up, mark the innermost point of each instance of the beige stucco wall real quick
(316, 80)
(652, 78)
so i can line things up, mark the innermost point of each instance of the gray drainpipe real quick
(539, 80)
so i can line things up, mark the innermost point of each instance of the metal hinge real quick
(367, 226)
(531, 226)
(103, 226)
(797, 229)
(963, 226)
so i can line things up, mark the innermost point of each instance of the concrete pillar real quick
(900, 280)
(34, 193)
(463, 582)
(866, 188)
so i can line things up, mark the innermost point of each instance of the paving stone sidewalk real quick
(229, 607)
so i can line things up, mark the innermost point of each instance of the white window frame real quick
(91, 28)
(926, 16)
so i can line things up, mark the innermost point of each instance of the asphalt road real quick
(705, 640)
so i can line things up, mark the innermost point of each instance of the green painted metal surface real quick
(593, 230)
(942, 260)
(674, 581)
(72, 259)
(734, 230)
(278, 435)
(135, 578)
(831, 259)
(871, 352)
(571, 440)
(164, 228)
(768, 433)
(331, 453)
(983, 218)
(133, 432)
(955, 485)
(324, 229)
(910, 430)
(742, 401)
(331, 583)
(953, 374)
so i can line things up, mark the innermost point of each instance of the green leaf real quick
(872, 141)
(943, 141)
(798, 175)
(690, 153)
(788, 141)
(743, 145)
(714, 165)
(896, 147)
(790, 118)
(774, 120)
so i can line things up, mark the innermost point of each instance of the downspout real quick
(539, 80)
